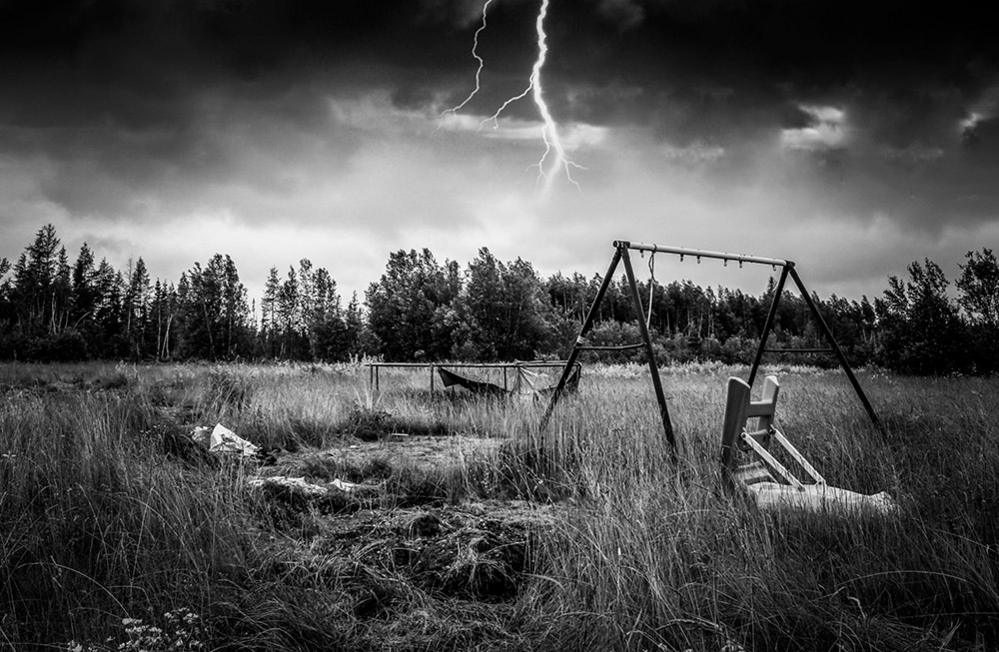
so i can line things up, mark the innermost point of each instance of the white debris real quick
(301, 485)
(223, 440)
(298, 484)
(349, 487)
(202, 435)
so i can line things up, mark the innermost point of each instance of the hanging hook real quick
(698, 260)
(681, 258)
(724, 262)
(740, 264)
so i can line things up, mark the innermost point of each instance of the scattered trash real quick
(352, 487)
(301, 485)
(295, 484)
(223, 440)
(398, 436)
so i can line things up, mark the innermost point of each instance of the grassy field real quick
(478, 531)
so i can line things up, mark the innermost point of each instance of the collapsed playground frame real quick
(621, 249)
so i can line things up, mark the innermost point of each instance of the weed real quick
(622, 550)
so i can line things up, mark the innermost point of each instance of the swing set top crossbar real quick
(700, 253)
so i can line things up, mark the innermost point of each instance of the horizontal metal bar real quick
(700, 253)
(806, 350)
(622, 347)
(483, 365)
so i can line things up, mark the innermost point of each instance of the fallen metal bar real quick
(701, 253)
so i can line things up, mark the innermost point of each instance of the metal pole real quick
(653, 368)
(377, 386)
(839, 353)
(591, 316)
(768, 324)
(432, 379)
(702, 253)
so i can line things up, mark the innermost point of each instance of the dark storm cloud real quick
(126, 95)
(759, 55)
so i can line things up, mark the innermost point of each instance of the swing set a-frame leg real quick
(837, 351)
(591, 316)
(650, 354)
(620, 252)
(789, 270)
(768, 324)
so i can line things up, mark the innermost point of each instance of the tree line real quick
(424, 310)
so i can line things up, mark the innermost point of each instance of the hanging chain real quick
(652, 285)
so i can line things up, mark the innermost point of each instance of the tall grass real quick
(98, 523)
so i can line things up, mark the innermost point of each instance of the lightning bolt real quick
(554, 159)
(482, 62)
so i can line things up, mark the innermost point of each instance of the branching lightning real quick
(475, 54)
(554, 159)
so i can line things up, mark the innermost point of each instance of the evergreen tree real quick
(34, 279)
(354, 328)
(136, 309)
(269, 324)
(108, 311)
(289, 317)
(84, 294)
(213, 313)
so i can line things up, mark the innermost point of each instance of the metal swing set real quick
(766, 480)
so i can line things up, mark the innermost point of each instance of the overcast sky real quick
(849, 138)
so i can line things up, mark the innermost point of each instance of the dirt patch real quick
(447, 545)
(420, 452)
(476, 550)
(359, 461)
